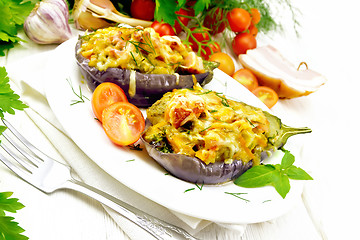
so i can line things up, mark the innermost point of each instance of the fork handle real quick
(156, 227)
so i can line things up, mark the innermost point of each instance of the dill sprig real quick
(81, 97)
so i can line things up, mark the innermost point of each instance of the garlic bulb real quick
(48, 22)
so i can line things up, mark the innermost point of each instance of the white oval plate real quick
(138, 171)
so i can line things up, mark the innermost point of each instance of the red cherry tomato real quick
(246, 78)
(163, 28)
(214, 21)
(255, 15)
(123, 123)
(211, 49)
(243, 42)
(200, 35)
(267, 95)
(226, 63)
(184, 20)
(239, 19)
(143, 9)
(104, 95)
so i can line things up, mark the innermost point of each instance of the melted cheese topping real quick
(140, 49)
(204, 124)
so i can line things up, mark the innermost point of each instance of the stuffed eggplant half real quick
(202, 137)
(141, 62)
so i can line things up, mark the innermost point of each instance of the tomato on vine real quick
(181, 16)
(143, 9)
(201, 36)
(239, 19)
(163, 28)
(211, 49)
(243, 42)
(255, 15)
(214, 20)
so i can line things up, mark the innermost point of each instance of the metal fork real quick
(49, 175)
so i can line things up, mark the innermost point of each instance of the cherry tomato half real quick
(143, 9)
(239, 19)
(226, 63)
(163, 28)
(123, 123)
(246, 78)
(104, 95)
(243, 42)
(267, 95)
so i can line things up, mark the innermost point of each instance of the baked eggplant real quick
(160, 136)
(141, 87)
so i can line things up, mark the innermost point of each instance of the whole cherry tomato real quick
(143, 9)
(255, 15)
(226, 63)
(243, 42)
(239, 19)
(214, 21)
(201, 36)
(163, 28)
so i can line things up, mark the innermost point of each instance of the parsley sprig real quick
(9, 101)
(13, 14)
(277, 175)
(9, 229)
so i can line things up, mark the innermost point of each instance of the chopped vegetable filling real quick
(140, 49)
(204, 124)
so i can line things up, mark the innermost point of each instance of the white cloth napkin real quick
(30, 83)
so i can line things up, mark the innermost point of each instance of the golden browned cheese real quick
(140, 49)
(204, 124)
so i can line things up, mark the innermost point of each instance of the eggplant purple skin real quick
(149, 87)
(192, 169)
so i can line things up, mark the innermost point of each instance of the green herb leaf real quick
(9, 101)
(282, 184)
(257, 176)
(9, 229)
(275, 175)
(13, 14)
(165, 11)
(9, 204)
(288, 159)
(297, 173)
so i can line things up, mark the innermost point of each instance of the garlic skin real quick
(48, 22)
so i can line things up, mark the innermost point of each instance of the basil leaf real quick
(257, 176)
(282, 185)
(287, 160)
(297, 173)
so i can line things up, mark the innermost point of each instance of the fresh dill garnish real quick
(79, 95)
(199, 187)
(132, 55)
(188, 190)
(266, 201)
(130, 160)
(224, 100)
(238, 196)
(251, 123)
(205, 129)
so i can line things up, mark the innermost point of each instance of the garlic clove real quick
(94, 14)
(273, 70)
(48, 22)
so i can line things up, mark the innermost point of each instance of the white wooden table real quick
(329, 44)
